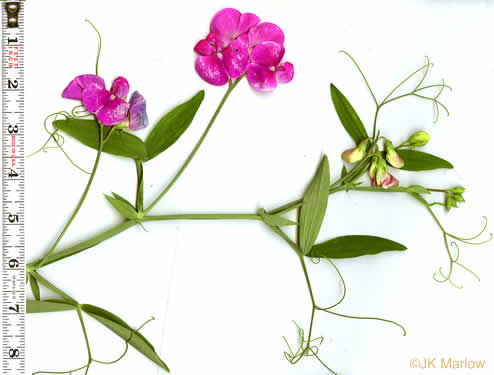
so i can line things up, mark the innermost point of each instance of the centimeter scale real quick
(13, 240)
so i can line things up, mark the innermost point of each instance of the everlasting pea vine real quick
(239, 45)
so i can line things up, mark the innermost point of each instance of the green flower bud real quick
(392, 156)
(419, 139)
(458, 198)
(450, 202)
(457, 190)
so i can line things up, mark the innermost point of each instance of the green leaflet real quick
(314, 207)
(120, 143)
(418, 189)
(422, 161)
(34, 287)
(172, 125)
(48, 305)
(123, 330)
(122, 205)
(274, 220)
(354, 246)
(348, 117)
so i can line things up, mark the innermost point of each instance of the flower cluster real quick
(238, 43)
(109, 107)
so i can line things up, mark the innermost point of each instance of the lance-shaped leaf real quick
(172, 125)
(274, 220)
(122, 205)
(48, 305)
(120, 143)
(348, 117)
(354, 246)
(123, 330)
(34, 287)
(314, 207)
(422, 161)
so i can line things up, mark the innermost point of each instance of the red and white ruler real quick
(13, 236)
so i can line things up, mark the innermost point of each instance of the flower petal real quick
(284, 73)
(211, 69)
(206, 47)
(225, 25)
(261, 78)
(78, 84)
(95, 98)
(246, 22)
(236, 58)
(268, 54)
(113, 112)
(138, 118)
(266, 32)
(389, 181)
(90, 80)
(72, 91)
(120, 87)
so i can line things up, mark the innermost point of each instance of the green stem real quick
(79, 314)
(196, 148)
(81, 201)
(202, 217)
(140, 186)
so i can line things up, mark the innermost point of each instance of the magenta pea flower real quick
(265, 70)
(263, 32)
(109, 107)
(229, 24)
(222, 55)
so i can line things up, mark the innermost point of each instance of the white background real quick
(224, 293)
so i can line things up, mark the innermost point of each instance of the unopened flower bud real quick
(381, 171)
(355, 154)
(457, 190)
(392, 156)
(419, 139)
(373, 167)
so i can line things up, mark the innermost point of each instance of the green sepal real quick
(354, 246)
(120, 143)
(422, 161)
(314, 207)
(348, 116)
(48, 305)
(122, 329)
(123, 206)
(274, 220)
(172, 125)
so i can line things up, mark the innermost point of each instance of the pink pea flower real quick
(385, 181)
(265, 70)
(221, 55)
(109, 107)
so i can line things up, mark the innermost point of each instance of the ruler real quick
(13, 239)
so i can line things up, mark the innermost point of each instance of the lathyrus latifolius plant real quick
(238, 46)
